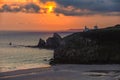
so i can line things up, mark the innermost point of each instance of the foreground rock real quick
(92, 47)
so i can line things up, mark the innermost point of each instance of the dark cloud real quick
(116, 1)
(30, 7)
(88, 7)
(71, 7)
(6, 7)
(44, 1)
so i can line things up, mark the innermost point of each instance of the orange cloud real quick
(18, 1)
(27, 5)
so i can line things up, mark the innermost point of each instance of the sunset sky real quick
(57, 15)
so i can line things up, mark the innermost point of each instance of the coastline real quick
(76, 57)
(66, 72)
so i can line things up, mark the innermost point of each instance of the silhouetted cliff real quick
(91, 47)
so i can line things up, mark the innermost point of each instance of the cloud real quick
(44, 1)
(40, 7)
(30, 7)
(88, 7)
(70, 7)
(5, 8)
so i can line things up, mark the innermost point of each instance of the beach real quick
(65, 72)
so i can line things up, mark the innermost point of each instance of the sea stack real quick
(41, 43)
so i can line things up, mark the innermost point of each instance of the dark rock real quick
(45, 60)
(57, 36)
(53, 42)
(41, 43)
(118, 25)
(10, 43)
(94, 47)
(52, 61)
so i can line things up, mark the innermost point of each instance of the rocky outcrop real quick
(51, 43)
(41, 43)
(54, 42)
(92, 47)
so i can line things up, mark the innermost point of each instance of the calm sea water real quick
(16, 57)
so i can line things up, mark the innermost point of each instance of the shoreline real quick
(24, 67)
(64, 72)
(50, 66)
(21, 72)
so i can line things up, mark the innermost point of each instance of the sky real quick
(57, 15)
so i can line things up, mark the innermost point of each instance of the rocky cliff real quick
(92, 47)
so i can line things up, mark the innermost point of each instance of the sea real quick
(17, 57)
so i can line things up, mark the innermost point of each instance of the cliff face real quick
(95, 46)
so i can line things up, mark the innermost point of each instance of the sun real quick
(50, 6)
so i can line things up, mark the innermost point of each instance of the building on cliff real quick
(86, 29)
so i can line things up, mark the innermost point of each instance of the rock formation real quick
(41, 43)
(99, 46)
(51, 43)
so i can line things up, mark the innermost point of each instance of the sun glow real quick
(50, 6)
